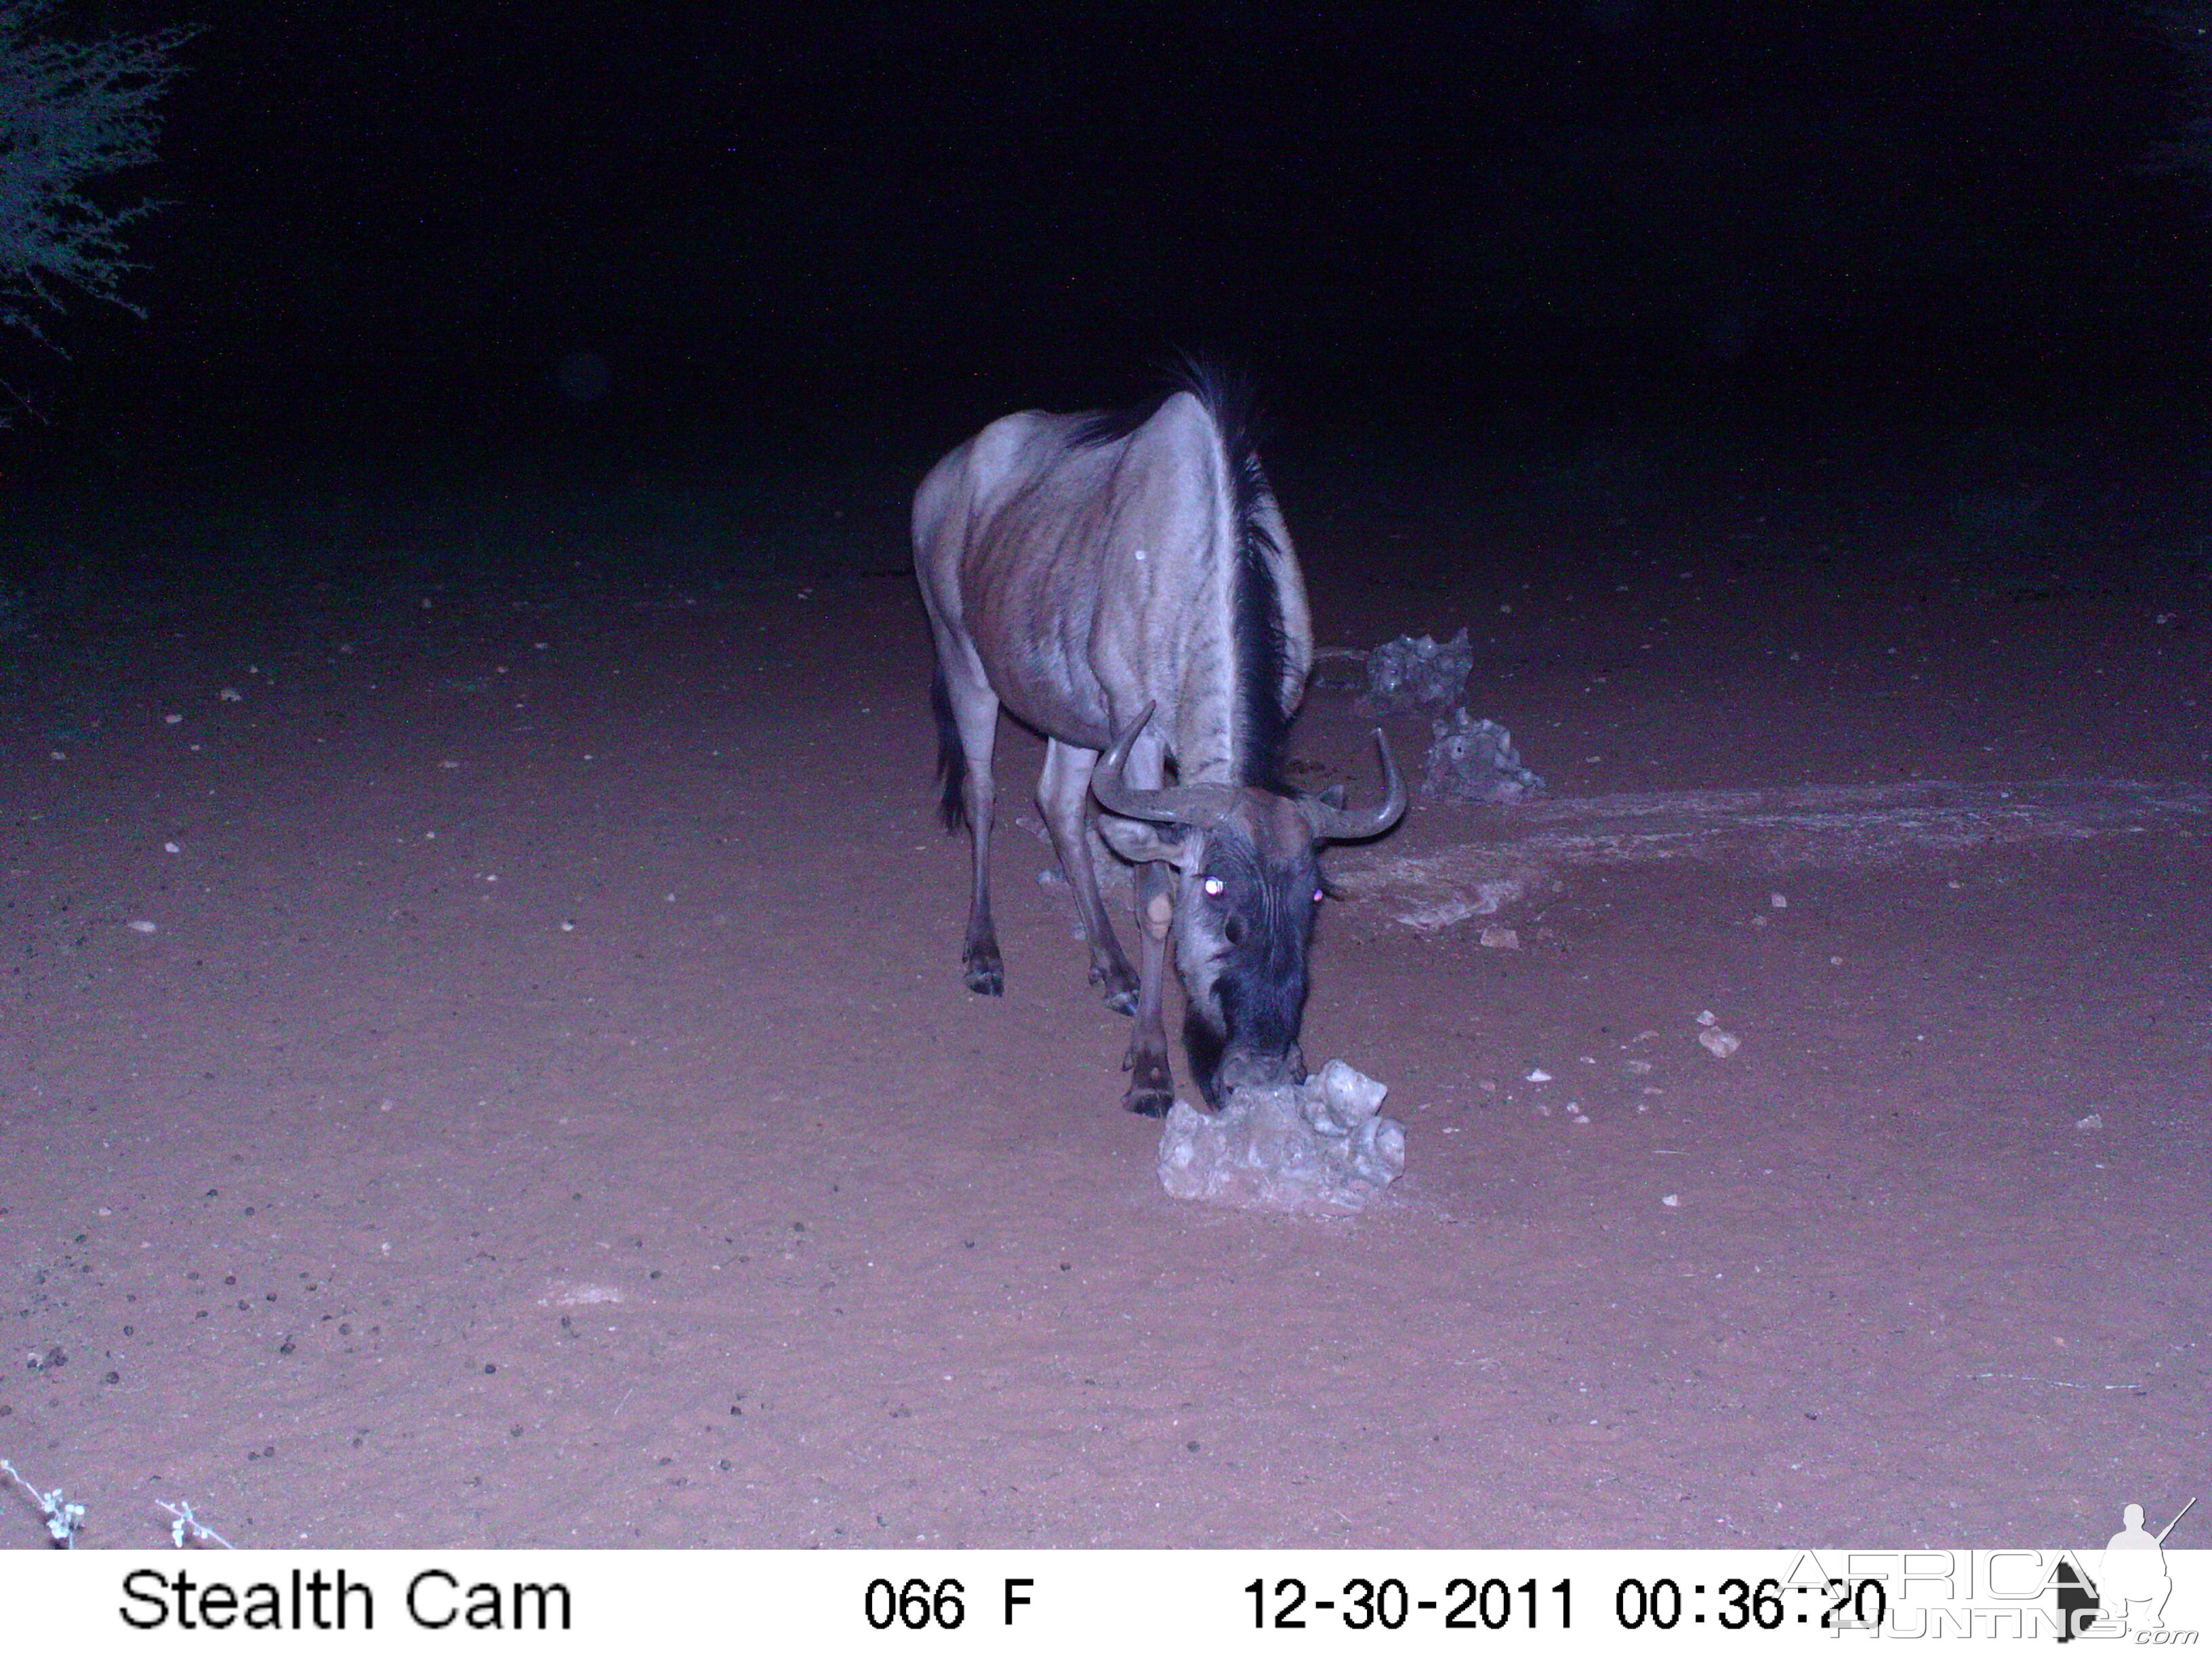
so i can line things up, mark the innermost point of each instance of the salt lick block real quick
(1320, 1147)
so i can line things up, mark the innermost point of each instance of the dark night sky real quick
(392, 220)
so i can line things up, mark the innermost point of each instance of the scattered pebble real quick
(1538, 1074)
(173, 719)
(1500, 938)
(1777, 901)
(1718, 1043)
(144, 928)
(171, 847)
(1673, 1201)
(1708, 1018)
(2094, 1121)
(232, 694)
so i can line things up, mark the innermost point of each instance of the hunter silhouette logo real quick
(2132, 1585)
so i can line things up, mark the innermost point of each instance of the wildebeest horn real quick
(1200, 806)
(1334, 823)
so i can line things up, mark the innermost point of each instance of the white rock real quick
(1317, 1148)
(1718, 1043)
(1349, 1097)
(2094, 1121)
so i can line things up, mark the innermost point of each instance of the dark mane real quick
(1256, 617)
(1110, 426)
(1262, 725)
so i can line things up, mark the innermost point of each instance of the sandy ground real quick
(504, 1078)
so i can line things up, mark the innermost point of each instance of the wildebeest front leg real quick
(1151, 1086)
(1064, 795)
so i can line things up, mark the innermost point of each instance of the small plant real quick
(62, 1518)
(189, 1525)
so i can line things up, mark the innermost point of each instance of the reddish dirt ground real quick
(546, 1111)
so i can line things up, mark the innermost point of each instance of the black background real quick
(1806, 225)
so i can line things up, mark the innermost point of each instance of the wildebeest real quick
(1124, 585)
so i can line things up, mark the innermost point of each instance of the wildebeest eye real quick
(1319, 895)
(1213, 887)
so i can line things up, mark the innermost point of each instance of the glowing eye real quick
(1213, 887)
(1319, 896)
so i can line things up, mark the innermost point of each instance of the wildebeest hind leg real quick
(1151, 1086)
(975, 714)
(1064, 795)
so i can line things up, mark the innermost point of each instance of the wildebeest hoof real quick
(1120, 989)
(986, 976)
(1147, 1100)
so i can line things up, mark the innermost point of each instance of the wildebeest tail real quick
(952, 758)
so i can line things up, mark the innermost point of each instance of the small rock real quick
(232, 694)
(144, 927)
(1538, 1074)
(1708, 1018)
(2094, 1121)
(1778, 901)
(1495, 938)
(1673, 1201)
(1718, 1043)
(1474, 760)
(1408, 673)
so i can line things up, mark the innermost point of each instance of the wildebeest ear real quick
(1334, 796)
(1145, 843)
